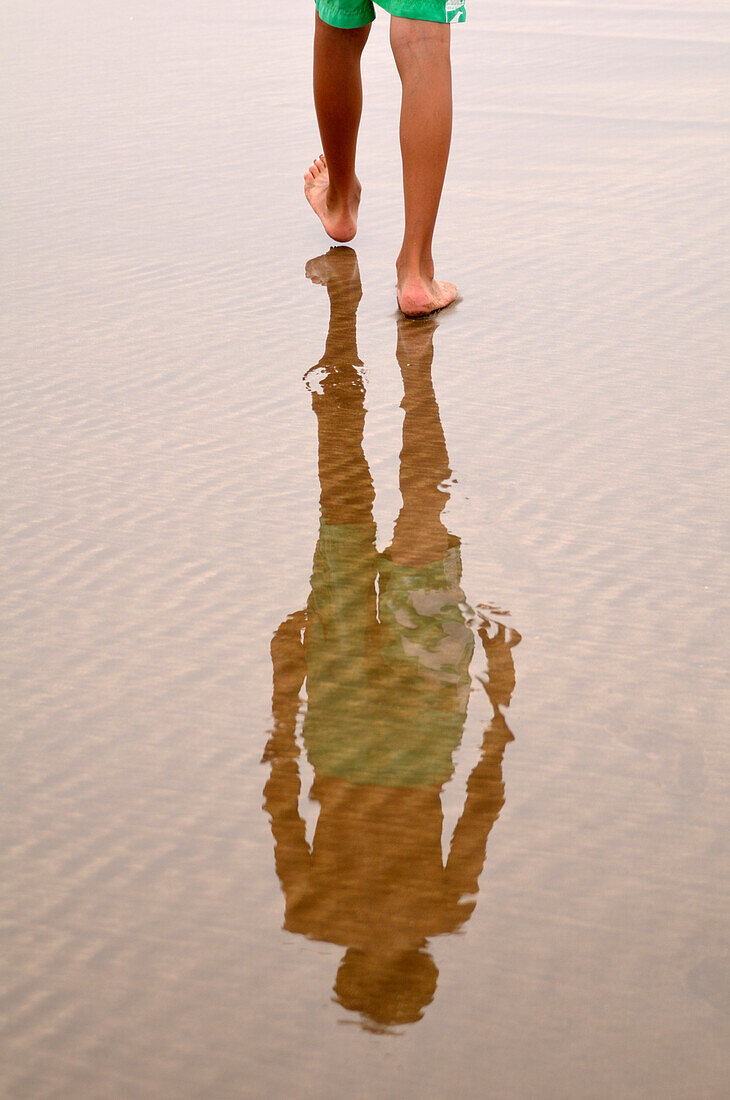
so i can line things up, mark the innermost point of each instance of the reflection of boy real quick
(385, 650)
(374, 880)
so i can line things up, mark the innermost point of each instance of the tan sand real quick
(160, 502)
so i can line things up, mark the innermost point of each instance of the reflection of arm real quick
(485, 789)
(281, 793)
(484, 800)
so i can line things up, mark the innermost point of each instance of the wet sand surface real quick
(516, 619)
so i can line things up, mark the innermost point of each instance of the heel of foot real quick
(415, 306)
(342, 229)
(418, 300)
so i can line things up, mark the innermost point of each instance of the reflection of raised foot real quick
(338, 218)
(335, 269)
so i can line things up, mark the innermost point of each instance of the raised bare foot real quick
(418, 296)
(338, 215)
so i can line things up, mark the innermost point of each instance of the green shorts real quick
(347, 14)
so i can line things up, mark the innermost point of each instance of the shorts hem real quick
(403, 9)
(333, 17)
(342, 16)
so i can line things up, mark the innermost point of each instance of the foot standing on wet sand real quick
(420, 37)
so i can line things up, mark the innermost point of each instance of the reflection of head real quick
(386, 989)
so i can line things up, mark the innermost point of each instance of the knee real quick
(419, 36)
(338, 38)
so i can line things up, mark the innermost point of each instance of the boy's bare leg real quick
(330, 185)
(422, 55)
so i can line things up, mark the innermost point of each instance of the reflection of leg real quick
(341, 609)
(422, 55)
(420, 536)
(339, 272)
(347, 492)
(330, 184)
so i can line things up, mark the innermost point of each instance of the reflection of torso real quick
(376, 873)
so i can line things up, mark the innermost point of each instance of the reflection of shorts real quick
(388, 654)
(358, 13)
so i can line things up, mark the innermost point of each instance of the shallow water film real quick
(365, 680)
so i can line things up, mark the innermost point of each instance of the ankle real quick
(339, 196)
(414, 269)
